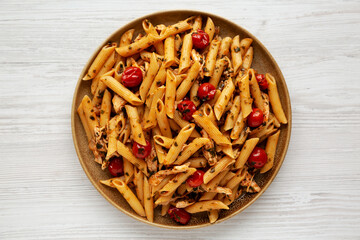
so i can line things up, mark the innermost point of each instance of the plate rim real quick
(135, 216)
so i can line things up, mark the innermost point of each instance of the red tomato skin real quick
(179, 215)
(258, 158)
(206, 92)
(187, 108)
(263, 84)
(255, 118)
(141, 151)
(196, 179)
(116, 167)
(132, 77)
(200, 39)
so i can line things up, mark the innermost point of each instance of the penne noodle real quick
(210, 59)
(146, 56)
(190, 149)
(182, 123)
(174, 183)
(197, 24)
(233, 114)
(216, 181)
(245, 152)
(121, 90)
(213, 215)
(163, 141)
(158, 81)
(109, 182)
(169, 46)
(226, 93)
(99, 92)
(160, 152)
(206, 206)
(113, 133)
(148, 201)
(197, 162)
(104, 69)
(180, 140)
(270, 150)
(150, 121)
(244, 45)
(170, 94)
(216, 97)
(105, 109)
(165, 181)
(130, 197)
(89, 113)
(185, 61)
(128, 170)
(193, 93)
(236, 54)
(224, 50)
(217, 168)
(162, 120)
(136, 130)
(245, 98)
(255, 91)
(139, 185)
(176, 28)
(164, 209)
(138, 46)
(125, 152)
(219, 68)
(178, 44)
(238, 127)
(210, 28)
(149, 77)
(274, 99)
(188, 81)
(81, 114)
(247, 61)
(208, 111)
(99, 61)
(211, 129)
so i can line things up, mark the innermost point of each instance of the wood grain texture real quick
(45, 194)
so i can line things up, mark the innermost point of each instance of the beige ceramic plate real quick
(263, 62)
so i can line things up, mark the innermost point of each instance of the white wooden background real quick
(44, 192)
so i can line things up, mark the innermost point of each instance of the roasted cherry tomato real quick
(255, 118)
(132, 77)
(263, 84)
(196, 179)
(179, 215)
(200, 39)
(187, 108)
(258, 158)
(206, 91)
(116, 167)
(141, 151)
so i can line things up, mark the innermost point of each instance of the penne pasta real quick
(210, 59)
(233, 114)
(224, 50)
(245, 99)
(175, 149)
(125, 152)
(149, 77)
(218, 70)
(210, 28)
(274, 99)
(105, 109)
(170, 94)
(247, 61)
(89, 113)
(189, 150)
(162, 120)
(130, 197)
(214, 133)
(206, 206)
(217, 168)
(245, 152)
(163, 141)
(185, 61)
(174, 183)
(148, 201)
(188, 81)
(150, 121)
(236, 54)
(270, 150)
(121, 90)
(82, 116)
(169, 46)
(136, 130)
(222, 101)
(99, 61)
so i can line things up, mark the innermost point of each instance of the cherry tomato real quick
(132, 77)
(255, 118)
(141, 151)
(206, 91)
(200, 39)
(179, 215)
(258, 158)
(196, 179)
(116, 167)
(263, 84)
(187, 108)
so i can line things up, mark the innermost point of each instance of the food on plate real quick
(179, 118)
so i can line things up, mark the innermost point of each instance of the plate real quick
(263, 62)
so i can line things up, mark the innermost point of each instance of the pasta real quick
(178, 148)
